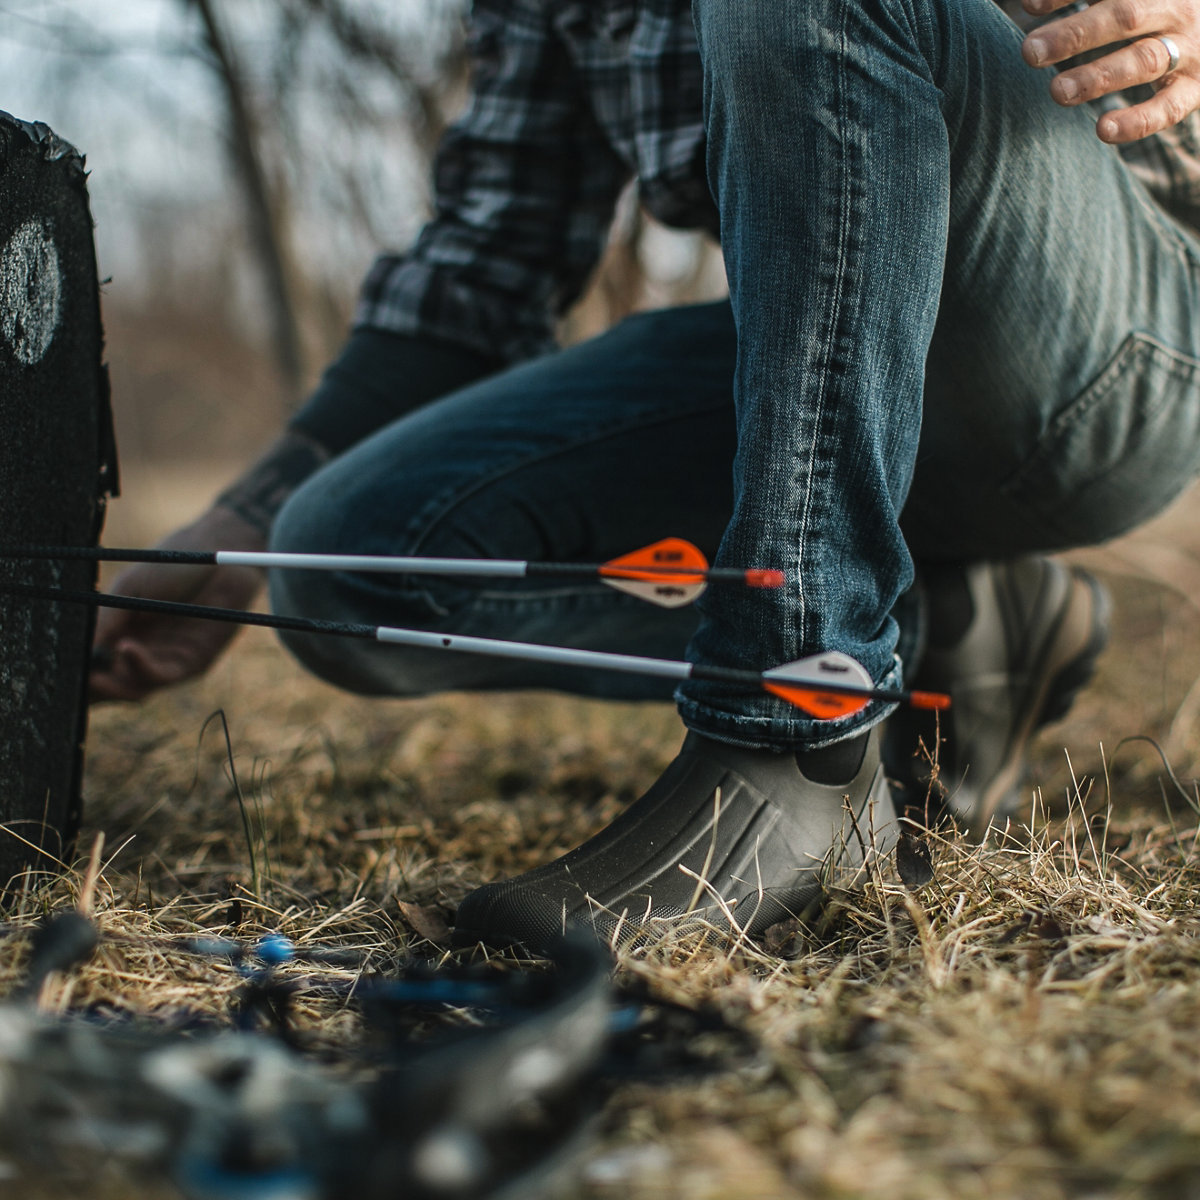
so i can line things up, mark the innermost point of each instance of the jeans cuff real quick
(768, 723)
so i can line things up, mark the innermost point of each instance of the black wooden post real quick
(57, 463)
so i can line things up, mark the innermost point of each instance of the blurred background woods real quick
(248, 158)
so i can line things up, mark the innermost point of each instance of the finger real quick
(104, 687)
(134, 668)
(113, 677)
(101, 687)
(1041, 8)
(1103, 24)
(156, 666)
(1144, 61)
(111, 623)
(1168, 106)
(127, 675)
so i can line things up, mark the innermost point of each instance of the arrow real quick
(669, 573)
(825, 686)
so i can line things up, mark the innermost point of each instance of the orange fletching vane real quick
(825, 706)
(680, 558)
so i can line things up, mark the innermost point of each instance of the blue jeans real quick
(962, 332)
(578, 456)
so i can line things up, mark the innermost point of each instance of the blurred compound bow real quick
(236, 1115)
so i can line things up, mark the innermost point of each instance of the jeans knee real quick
(302, 525)
(773, 48)
(323, 517)
(733, 34)
(365, 667)
(308, 523)
(737, 38)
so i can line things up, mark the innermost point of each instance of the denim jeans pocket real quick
(1121, 451)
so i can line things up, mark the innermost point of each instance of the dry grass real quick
(1024, 1026)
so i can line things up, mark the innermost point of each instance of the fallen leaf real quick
(425, 922)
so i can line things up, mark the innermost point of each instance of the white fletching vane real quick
(833, 667)
(665, 595)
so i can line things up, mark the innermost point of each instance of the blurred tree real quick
(319, 116)
(249, 158)
(306, 50)
(265, 205)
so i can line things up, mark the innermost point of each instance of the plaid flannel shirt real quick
(570, 100)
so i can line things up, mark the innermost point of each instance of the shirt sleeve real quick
(525, 188)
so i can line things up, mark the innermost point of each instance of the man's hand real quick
(137, 653)
(1144, 61)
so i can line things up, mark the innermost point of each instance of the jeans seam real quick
(1182, 241)
(1120, 365)
(831, 342)
(1136, 350)
(1136, 346)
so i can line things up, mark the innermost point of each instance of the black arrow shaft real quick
(632, 664)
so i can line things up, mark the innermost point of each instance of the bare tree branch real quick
(266, 212)
(367, 43)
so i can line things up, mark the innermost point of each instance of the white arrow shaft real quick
(560, 655)
(496, 568)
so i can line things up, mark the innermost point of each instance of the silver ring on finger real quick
(1172, 52)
